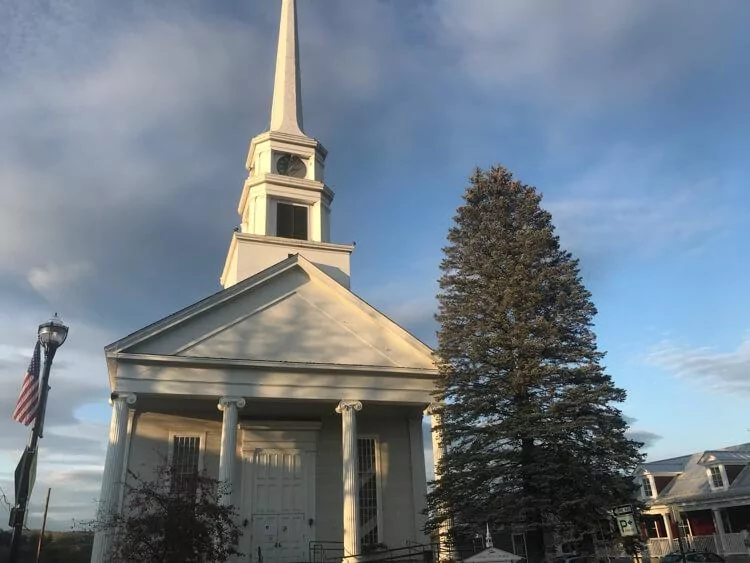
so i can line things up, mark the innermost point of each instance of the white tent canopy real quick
(493, 555)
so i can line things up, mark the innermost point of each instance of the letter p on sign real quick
(626, 524)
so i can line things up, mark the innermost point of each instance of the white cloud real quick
(633, 203)
(580, 56)
(644, 226)
(726, 372)
(53, 278)
(98, 170)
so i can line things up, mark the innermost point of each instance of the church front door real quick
(279, 504)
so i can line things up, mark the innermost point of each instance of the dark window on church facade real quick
(185, 463)
(291, 221)
(368, 491)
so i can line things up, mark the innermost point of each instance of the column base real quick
(445, 557)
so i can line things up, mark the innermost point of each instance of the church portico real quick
(300, 468)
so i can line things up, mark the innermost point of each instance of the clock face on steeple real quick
(291, 165)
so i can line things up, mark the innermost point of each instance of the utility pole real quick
(44, 526)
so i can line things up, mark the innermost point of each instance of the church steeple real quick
(286, 108)
(285, 205)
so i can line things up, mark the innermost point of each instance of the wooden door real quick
(279, 505)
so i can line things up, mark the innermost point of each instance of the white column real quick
(112, 477)
(229, 406)
(719, 525)
(126, 458)
(438, 448)
(418, 476)
(668, 527)
(347, 410)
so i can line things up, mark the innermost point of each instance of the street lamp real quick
(52, 335)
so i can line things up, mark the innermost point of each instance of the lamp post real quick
(52, 335)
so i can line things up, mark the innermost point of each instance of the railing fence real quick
(732, 545)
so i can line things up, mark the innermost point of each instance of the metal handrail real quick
(325, 551)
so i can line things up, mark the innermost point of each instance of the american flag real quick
(28, 401)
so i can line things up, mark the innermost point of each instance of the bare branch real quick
(4, 499)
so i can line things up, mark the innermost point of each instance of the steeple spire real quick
(286, 109)
(285, 204)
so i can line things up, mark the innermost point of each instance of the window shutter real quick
(300, 223)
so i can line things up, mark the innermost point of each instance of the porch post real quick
(347, 409)
(418, 476)
(126, 458)
(438, 449)
(113, 466)
(668, 527)
(228, 456)
(719, 526)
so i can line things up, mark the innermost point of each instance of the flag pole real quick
(51, 334)
(44, 526)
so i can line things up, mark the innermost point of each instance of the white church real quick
(284, 384)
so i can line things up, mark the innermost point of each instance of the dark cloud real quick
(647, 438)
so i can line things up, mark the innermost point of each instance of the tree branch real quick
(4, 499)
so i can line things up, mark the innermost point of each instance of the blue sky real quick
(124, 128)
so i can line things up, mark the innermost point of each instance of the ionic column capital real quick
(434, 409)
(128, 398)
(224, 402)
(348, 405)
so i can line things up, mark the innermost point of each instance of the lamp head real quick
(53, 333)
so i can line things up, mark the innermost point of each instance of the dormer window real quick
(291, 221)
(716, 481)
(716, 477)
(648, 491)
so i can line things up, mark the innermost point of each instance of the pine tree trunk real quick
(535, 548)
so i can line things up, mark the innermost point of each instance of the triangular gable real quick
(292, 312)
(493, 555)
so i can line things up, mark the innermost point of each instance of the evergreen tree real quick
(532, 433)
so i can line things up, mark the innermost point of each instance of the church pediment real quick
(292, 312)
